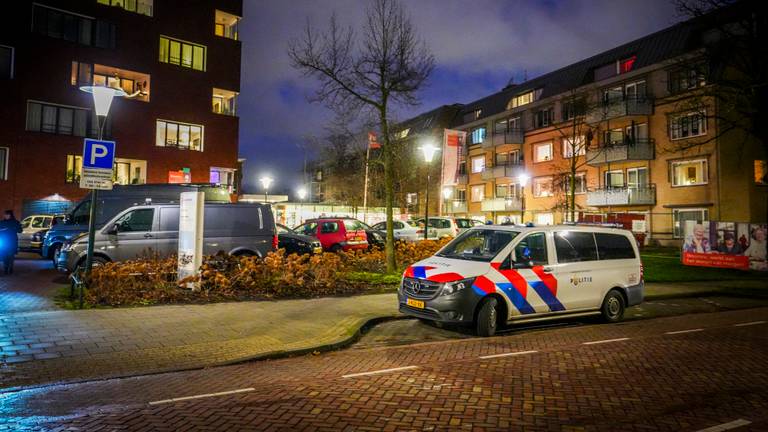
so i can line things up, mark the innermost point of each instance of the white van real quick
(492, 275)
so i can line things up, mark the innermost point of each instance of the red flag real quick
(372, 142)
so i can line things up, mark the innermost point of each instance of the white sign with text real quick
(191, 221)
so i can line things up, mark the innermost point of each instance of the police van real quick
(493, 275)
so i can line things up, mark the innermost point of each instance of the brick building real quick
(178, 61)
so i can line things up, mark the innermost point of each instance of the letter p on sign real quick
(98, 154)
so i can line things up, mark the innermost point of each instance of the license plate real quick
(415, 303)
(317, 250)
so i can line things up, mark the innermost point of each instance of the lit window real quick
(574, 146)
(477, 193)
(181, 53)
(403, 133)
(688, 125)
(478, 164)
(680, 216)
(478, 135)
(689, 173)
(226, 25)
(4, 163)
(542, 186)
(222, 176)
(522, 99)
(627, 64)
(142, 7)
(543, 117)
(614, 179)
(542, 152)
(580, 182)
(182, 135)
(761, 172)
(224, 102)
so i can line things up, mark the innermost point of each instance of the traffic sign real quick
(98, 164)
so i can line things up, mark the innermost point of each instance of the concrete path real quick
(32, 285)
(59, 346)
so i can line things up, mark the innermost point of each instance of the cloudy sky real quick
(478, 46)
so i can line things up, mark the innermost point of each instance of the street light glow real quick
(447, 192)
(302, 193)
(102, 97)
(266, 181)
(523, 179)
(429, 152)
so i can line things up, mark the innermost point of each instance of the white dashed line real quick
(604, 341)
(207, 395)
(749, 323)
(507, 354)
(684, 331)
(727, 426)
(377, 372)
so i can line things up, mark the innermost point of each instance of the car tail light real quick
(421, 231)
(274, 242)
(642, 272)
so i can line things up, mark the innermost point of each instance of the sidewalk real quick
(59, 346)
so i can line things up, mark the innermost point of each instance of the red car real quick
(336, 234)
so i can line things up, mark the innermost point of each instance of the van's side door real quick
(134, 236)
(167, 234)
(577, 270)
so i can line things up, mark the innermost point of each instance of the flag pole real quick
(365, 185)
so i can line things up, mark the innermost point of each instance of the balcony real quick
(621, 107)
(501, 204)
(622, 196)
(487, 142)
(512, 136)
(454, 206)
(503, 171)
(621, 151)
(224, 102)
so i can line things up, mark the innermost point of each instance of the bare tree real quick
(384, 66)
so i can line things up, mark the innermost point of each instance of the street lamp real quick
(522, 179)
(429, 151)
(102, 101)
(302, 193)
(447, 194)
(265, 182)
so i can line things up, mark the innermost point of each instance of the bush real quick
(226, 277)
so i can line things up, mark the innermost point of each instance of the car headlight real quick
(66, 247)
(456, 286)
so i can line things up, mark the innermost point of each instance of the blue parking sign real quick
(98, 154)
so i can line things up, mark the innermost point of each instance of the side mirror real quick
(522, 264)
(113, 230)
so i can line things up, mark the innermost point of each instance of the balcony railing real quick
(509, 170)
(501, 204)
(454, 206)
(511, 136)
(627, 150)
(633, 195)
(621, 107)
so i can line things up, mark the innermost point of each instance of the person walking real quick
(9, 240)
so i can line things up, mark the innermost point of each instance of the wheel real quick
(613, 307)
(335, 248)
(97, 261)
(54, 254)
(487, 316)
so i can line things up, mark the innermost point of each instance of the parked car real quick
(444, 226)
(112, 202)
(406, 231)
(495, 274)
(336, 234)
(294, 242)
(237, 229)
(465, 224)
(33, 227)
(375, 237)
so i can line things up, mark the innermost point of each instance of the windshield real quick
(478, 244)
(41, 222)
(25, 222)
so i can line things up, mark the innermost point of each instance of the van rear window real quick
(575, 246)
(614, 246)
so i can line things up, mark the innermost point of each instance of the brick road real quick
(640, 378)
(31, 287)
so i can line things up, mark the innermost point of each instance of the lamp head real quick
(447, 192)
(266, 181)
(429, 151)
(302, 193)
(523, 179)
(102, 97)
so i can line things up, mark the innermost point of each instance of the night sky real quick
(478, 46)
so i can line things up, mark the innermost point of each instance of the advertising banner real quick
(453, 146)
(731, 245)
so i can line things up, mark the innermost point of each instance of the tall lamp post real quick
(265, 182)
(523, 180)
(429, 153)
(102, 101)
(302, 193)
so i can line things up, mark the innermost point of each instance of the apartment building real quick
(622, 120)
(179, 63)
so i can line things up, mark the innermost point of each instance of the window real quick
(533, 248)
(575, 246)
(637, 178)
(614, 179)
(6, 62)
(524, 99)
(329, 227)
(136, 221)
(508, 158)
(542, 187)
(63, 120)
(182, 135)
(225, 102)
(543, 117)
(627, 64)
(309, 228)
(403, 133)
(680, 216)
(4, 163)
(545, 219)
(133, 83)
(688, 125)
(507, 125)
(478, 164)
(542, 152)
(477, 245)
(761, 172)
(574, 146)
(460, 195)
(222, 176)
(412, 199)
(478, 135)
(689, 173)
(181, 53)
(125, 171)
(74, 168)
(142, 7)
(614, 68)
(614, 246)
(71, 27)
(687, 78)
(508, 190)
(477, 193)
(573, 108)
(580, 181)
(472, 115)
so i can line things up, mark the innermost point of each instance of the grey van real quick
(237, 229)
(116, 200)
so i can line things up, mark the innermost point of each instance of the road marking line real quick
(604, 341)
(749, 323)
(685, 331)
(507, 354)
(726, 426)
(381, 371)
(207, 395)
